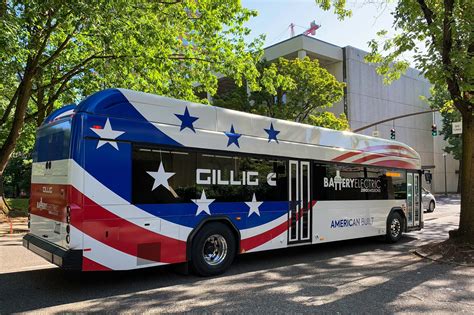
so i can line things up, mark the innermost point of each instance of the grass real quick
(19, 207)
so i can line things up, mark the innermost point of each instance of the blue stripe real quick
(185, 213)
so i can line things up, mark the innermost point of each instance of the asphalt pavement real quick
(357, 276)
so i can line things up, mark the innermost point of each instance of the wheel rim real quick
(214, 250)
(395, 227)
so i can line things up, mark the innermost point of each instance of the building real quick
(367, 100)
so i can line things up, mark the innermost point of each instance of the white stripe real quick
(115, 204)
(296, 140)
(66, 113)
(44, 226)
(110, 257)
(86, 184)
(385, 156)
(250, 232)
(279, 241)
(389, 158)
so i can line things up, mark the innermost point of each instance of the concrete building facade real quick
(367, 99)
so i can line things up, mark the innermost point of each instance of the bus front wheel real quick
(213, 249)
(394, 227)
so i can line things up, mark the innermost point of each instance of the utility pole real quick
(445, 177)
(393, 118)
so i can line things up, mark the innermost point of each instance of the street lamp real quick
(445, 178)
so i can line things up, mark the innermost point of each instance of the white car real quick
(428, 200)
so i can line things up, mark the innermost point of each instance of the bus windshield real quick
(53, 142)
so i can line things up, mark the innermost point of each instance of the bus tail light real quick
(68, 227)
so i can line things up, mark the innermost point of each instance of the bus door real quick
(413, 199)
(299, 214)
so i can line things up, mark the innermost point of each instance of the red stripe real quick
(395, 163)
(257, 240)
(90, 265)
(345, 156)
(129, 238)
(368, 158)
(49, 201)
(376, 148)
(392, 147)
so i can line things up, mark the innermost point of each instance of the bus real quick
(128, 180)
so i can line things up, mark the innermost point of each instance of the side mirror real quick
(428, 177)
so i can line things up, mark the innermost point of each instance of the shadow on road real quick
(315, 275)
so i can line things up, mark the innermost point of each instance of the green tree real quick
(439, 34)
(297, 89)
(17, 175)
(329, 120)
(440, 100)
(55, 52)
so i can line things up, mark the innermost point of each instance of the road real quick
(353, 276)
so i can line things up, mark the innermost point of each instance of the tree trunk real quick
(18, 120)
(3, 205)
(458, 190)
(466, 220)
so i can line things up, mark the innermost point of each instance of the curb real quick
(438, 258)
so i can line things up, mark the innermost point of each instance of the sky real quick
(275, 16)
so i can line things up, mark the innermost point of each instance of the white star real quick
(161, 177)
(254, 205)
(107, 133)
(203, 204)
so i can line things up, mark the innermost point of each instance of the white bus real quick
(129, 180)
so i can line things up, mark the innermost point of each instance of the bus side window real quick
(149, 165)
(392, 183)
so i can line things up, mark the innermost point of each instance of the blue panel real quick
(111, 167)
(185, 213)
(102, 102)
(134, 130)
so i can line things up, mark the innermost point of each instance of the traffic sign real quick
(457, 128)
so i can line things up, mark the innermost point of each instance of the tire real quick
(212, 249)
(431, 206)
(394, 227)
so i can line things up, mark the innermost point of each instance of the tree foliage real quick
(440, 100)
(17, 176)
(297, 90)
(439, 35)
(329, 120)
(55, 52)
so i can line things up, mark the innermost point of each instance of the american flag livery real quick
(86, 196)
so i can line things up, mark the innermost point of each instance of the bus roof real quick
(165, 110)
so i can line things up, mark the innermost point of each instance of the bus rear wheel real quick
(213, 249)
(394, 227)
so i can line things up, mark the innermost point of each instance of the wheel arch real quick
(222, 219)
(399, 211)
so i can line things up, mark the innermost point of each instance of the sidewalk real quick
(9, 226)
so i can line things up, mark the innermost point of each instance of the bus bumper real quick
(68, 259)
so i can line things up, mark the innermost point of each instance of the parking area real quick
(364, 275)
